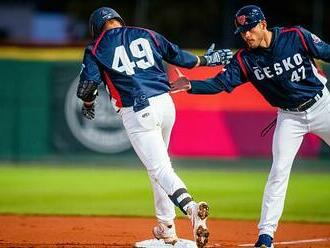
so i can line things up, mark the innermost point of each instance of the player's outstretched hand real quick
(88, 110)
(181, 83)
(210, 50)
(217, 57)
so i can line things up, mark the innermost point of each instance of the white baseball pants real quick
(289, 133)
(149, 131)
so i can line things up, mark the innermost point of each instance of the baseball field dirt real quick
(81, 231)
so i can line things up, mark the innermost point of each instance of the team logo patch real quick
(315, 38)
(241, 19)
(104, 12)
(108, 16)
(145, 115)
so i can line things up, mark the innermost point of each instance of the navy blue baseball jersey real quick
(284, 73)
(129, 60)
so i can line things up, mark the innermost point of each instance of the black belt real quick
(306, 105)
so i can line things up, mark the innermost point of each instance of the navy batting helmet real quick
(99, 17)
(248, 17)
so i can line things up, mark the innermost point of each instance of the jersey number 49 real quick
(142, 57)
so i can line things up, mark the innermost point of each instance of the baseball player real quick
(279, 62)
(129, 61)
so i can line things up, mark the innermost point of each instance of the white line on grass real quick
(293, 242)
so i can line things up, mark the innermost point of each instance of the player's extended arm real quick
(209, 86)
(172, 54)
(232, 77)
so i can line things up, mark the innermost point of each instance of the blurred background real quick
(41, 48)
(65, 22)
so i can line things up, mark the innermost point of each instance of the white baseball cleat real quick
(198, 213)
(166, 233)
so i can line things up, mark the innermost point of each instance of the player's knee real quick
(160, 170)
(278, 174)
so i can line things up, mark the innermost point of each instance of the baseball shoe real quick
(198, 213)
(166, 233)
(264, 241)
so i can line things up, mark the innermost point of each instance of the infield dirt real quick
(81, 231)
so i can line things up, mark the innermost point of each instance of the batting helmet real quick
(248, 17)
(99, 17)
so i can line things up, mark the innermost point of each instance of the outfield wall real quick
(40, 115)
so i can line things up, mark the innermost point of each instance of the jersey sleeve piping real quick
(301, 36)
(113, 90)
(241, 63)
(98, 42)
(303, 41)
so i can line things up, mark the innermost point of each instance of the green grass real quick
(110, 191)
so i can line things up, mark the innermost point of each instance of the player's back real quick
(131, 63)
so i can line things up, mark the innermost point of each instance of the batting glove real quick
(217, 57)
(88, 111)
